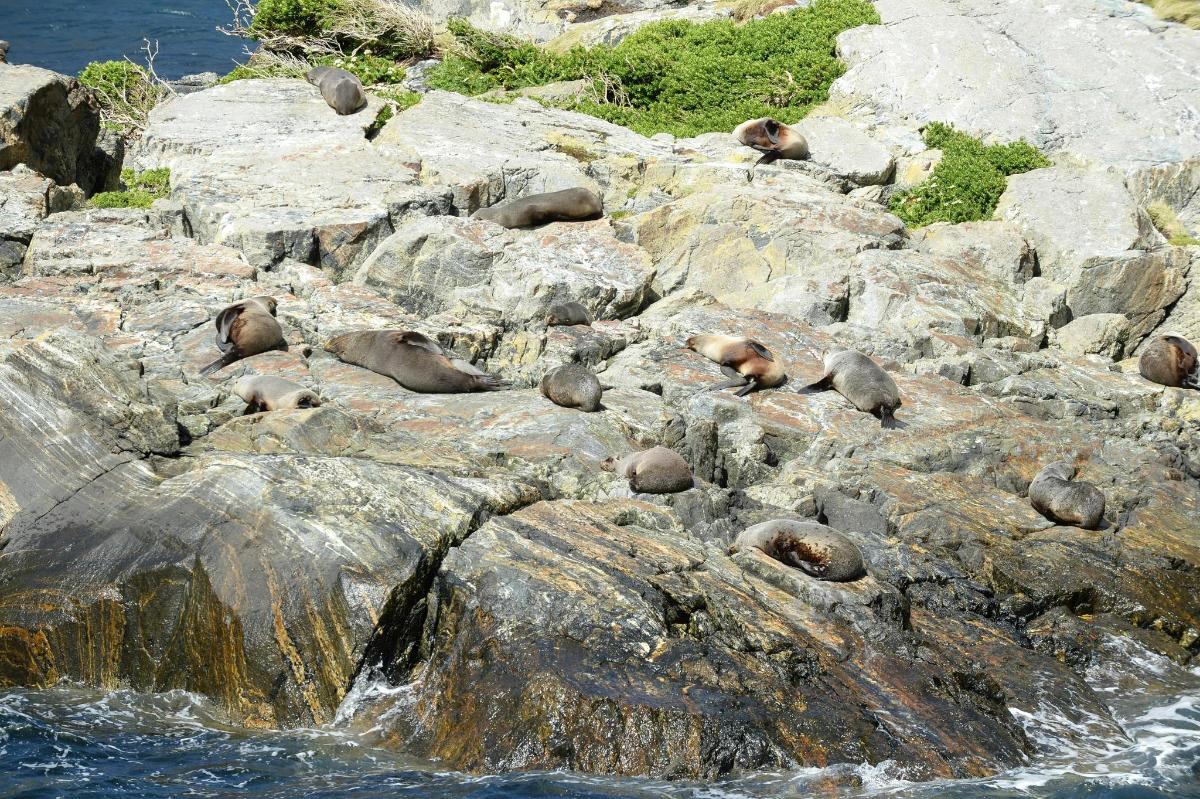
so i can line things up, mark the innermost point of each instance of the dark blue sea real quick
(64, 35)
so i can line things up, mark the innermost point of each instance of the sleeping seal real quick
(654, 471)
(270, 393)
(572, 386)
(862, 381)
(246, 328)
(414, 361)
(1064, 501)
(744, 361)
(567, 205)
(567, 313)
(1170, 361)
(771, 138)
(342, 90)
(813, 548)
(3, 52)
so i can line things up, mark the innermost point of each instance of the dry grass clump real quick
(1186, 12)
(1167, 221)
(334, 27)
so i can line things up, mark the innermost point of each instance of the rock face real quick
(49, 122)
(472, 549)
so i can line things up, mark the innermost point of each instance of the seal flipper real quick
(735, 379)
(887, 420)
(231, 356)
(225, 322)
(257, 406)
(769, 157)
(751, 384)
(824, 384)
(817, 570)
(761, 350)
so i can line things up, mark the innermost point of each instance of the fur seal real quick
(744, 361)
(567, 205)
(413, 360)
(862, 381)
(773, 139)
(269, 393)
(341, 89)
(654, 471)
(3, 52)
(1170, 361)
(1062, 500)
(572, 386)
(246, 328)
(567, 313)
(813, 548)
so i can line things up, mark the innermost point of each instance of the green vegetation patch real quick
(382, 27)
(141, 189)
(370, 69)
(966, 185)
(125, 93)
(674, 76)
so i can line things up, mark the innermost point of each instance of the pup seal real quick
(813, 548)
(568, 205)
(246, 328)
(567, 313)
(342, 90)
(1170, 361)
(655, 471)
(1062, 500)
(269, 393)
(744, 361)
(862, 381)
(412, 360)
(771, 138)
(572, 386)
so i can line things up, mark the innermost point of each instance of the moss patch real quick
(966, 185)
(674, 76)
(141, 189)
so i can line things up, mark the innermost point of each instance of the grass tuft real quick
(1167, 221)
(141, 189)
(1185, 12)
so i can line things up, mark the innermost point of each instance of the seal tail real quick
(220, 363)
(887, 420)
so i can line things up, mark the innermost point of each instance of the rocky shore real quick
(471, 548)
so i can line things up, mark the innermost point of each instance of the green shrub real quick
(301, 18)
(141, 189)
(968, 182)
(674, 76)
(383, 27)
(125, 93)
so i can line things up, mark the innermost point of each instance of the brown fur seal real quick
(655, 471)
(567, 313)
(1170, 361)
(1062, 500)
(813, 548)
(268, 393)
(771, 138)
(341, 89)
(572, 386)
(744, 361)
(567, 205)
(3, 52)
(246, 328)
(862, 381)
(414, 361)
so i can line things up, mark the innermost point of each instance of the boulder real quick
(49, 122)
(1100, 334)
(26, 198)
(846, 150)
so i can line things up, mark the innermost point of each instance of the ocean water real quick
(76, 742)
(64, 35)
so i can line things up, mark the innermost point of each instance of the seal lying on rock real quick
(246, 328)
(1062, 500)
(567, 313)
(269, 393)
(771, 138)
(414, 361)
(568, 205)
(3, 52)
(744, 361)
(1170, 361)
(572, 386)
(862, 381)
(813, 548)
(654, 471)
(341, 89)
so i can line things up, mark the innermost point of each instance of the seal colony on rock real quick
(813, 548)
(773, 139)
(413, 360)
(655, 471)
(1170, 361)
(342, 90)
(862, 381)
(744, 361)
(246, 328)
(567, 313)
(1054, 494)
(568, 205)
(572, 386)
(269, 393)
